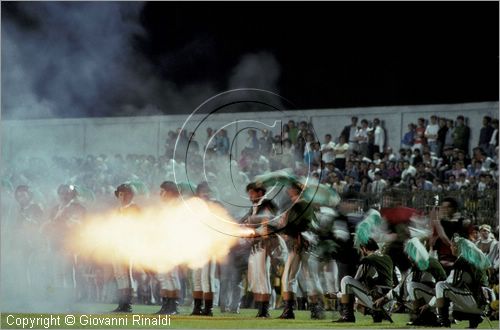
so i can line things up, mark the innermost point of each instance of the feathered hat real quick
(364, 230)
(418, 253)
(470, 252)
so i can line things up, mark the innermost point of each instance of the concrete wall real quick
(146, 135)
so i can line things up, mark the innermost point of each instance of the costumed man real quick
(28, 222)
(121, 270)
(447, 222)
(259, 263)
(418, 286)
(373, 280)
(295, 221)
(204, 277)
(466, 286)
(170, 284)
(346, 257)
(64, 218)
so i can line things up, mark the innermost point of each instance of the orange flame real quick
(160, 237)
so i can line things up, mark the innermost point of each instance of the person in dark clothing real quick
(485, 133)
(461, 135)
(441, 138)
(373, 279)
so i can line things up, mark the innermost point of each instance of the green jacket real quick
(380, 264)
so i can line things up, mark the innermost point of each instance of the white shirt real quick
(379, 137)
(493, 140)
(328, 156)
(431, 130)
(409, 171)
(341, 147)
(363, 134)
(378, 186)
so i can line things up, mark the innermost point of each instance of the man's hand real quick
(380, 302)
(423, 308)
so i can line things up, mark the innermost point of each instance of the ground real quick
(243, 320)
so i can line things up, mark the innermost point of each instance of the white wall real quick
(146, 135)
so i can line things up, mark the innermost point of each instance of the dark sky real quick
(341, 54)
(328, 54)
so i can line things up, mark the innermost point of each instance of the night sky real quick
(331, 54)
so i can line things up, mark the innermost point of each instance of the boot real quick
(377, 316)
(317, 312)
(165, 306)
(209, 306)
(474, 319)
(173, 305)
(124, 301)
(346, 309)
(258, 306)
(197, 307)
(443, 317)
(264, 309)
(288, 310)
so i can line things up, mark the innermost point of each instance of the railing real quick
(479, 206)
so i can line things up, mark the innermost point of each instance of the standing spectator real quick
(327, 149)
(285, 132)
(449, 133)
(349, 134)
(222, 143)
(441, 136)
(409, 137)
(419, 140)
(362, 138)
(431, 134)
(494, 139)
(266, 142)
(340, 152)
(252, 141)
(293, 132)
(461, 135)
(378, 137)
(485, 133)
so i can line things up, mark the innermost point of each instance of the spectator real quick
(416, 158)
(485, 134)
(378, 137)
(293, 132)
(449, 133)
(408, 172)
(352, 185)
(409, 137)
(285, 132)
(494, 139)
(461, 135)
(340, 152)
(362, 138)
(222, 143)
(423, 183)
(441, 136)
(336, 183)
(366, 186)
(327, 149)
(431, 134)
(419, 139)
(462, 181)
(265, 142)
(379, 184)
(487, 241)
(436, 185)
(452, 185)
(349, 134)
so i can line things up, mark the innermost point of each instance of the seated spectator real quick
(462, 181)
(409, 171)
